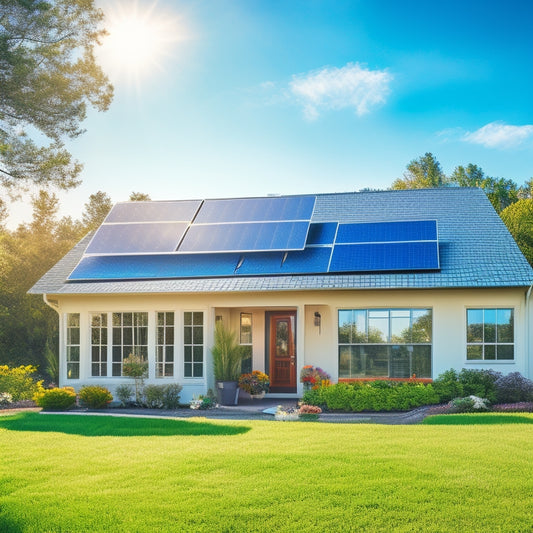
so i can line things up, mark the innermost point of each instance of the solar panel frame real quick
(390, 231)
(245, 237)
(135, 239)
(149, 211)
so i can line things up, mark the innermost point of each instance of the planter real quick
(227, 392)
(258, 396)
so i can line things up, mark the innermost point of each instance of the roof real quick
(475, 250)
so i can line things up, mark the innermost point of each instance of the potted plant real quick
(255, 383)
(227, 358)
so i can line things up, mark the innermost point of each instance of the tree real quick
(96, 209)
(139, 197)
(518, 218)
(471, 176)
(48, 77)
(422, 173)
(526, 191)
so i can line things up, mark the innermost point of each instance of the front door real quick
(282, 351)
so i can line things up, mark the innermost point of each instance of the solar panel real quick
(178, 211)
(157, 237)
(154, 267)
(268, 209)
(417, 230)
(245, 237)
(322, 233)
(384, 257)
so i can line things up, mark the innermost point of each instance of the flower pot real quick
(227, 392)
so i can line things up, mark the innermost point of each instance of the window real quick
(394, 343)
(130, 336)
(73, 345)
(245, 339)
(489, 334)
(193, 344)
(164, 365)
(99, 344)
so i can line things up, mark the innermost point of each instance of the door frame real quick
(268, 318)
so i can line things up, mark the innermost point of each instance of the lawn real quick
(97, 473)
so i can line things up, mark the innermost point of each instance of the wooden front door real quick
(282, 351)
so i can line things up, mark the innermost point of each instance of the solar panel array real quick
(248, 237)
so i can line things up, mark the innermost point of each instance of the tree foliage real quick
(96, 209)
(518, 218)
(48, 77)
(139, 197)
(422, 173)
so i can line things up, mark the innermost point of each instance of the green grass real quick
(466, 419)
(91, 473)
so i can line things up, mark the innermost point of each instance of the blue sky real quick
(251, 97)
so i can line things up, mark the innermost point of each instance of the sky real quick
(225, 98)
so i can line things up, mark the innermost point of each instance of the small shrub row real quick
(19, 382)
(372, 396)
(151, 396)
(489, 384)
(57, 399)
(94, 397)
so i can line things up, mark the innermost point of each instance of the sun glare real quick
(140, 41)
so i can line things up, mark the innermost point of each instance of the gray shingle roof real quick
(476, 250)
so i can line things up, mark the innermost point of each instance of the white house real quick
(370, 284)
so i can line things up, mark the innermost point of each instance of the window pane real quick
(198, 335)
(198, 370)
(117, 319)
(188, 370)
(246, 328)
(490, 325)
(187, 354)
(474, 352)
(421, 361)
(170, 334)
(400, 364)
(73, 320)
(505, 323)
(198, 354)
(187, 335)
(160, 335)
(345, 327)
(378, 329)
(73, 354)
(73, 370)
(187, 318)
(490, 352)
(198, 318)
(421, 325)
(74, 334)
(400, 330)
(505, 352)
(474, 321)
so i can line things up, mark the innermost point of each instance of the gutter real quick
(529, 351)
(51, 303)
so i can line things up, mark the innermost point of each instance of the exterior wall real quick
(315, 345)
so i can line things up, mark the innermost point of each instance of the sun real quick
(141, 39)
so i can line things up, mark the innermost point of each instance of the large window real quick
(130, 336)
(73, 345)
(164, 365)
(193, 344)
(489, 334)
(393, 343)
(99, 344)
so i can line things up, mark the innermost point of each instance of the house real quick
(364, 285)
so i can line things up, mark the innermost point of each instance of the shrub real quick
(481, 383)
(95, 397)
(171, 396)
(372, 396)
(5, 399)
(56, 399)
(19, 382)
(202, 402)
(124, 393)
(470, 404)
(514, 388)
(447, 386)
(153, 396)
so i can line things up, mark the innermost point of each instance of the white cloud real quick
(499, 135)
(351, 86)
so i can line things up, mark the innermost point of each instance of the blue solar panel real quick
(384, 257)
(254, 236)
(154, 267)
(157, 237)
(256, 209)
(419, 230)
(178, 211)
(322, 233)
(308, 261)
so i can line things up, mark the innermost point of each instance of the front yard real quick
(101, 473)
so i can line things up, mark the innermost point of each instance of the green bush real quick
(481, 383)
(372, 396)
(162, 396)
(171, 396)
(19, 382)
(514, 388)
(94, 396)
(56, 399)
(470, 404)
(124, 393)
